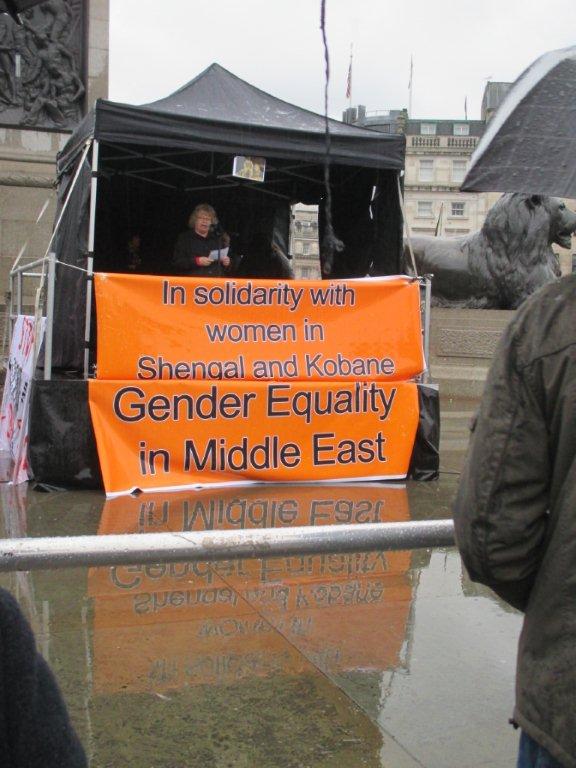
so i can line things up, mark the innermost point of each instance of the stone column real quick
(36, 120)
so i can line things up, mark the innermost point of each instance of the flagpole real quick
(410, 86)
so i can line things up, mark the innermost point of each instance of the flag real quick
(349, 82)
(349, 79)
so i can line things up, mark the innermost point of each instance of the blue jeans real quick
(532, 755)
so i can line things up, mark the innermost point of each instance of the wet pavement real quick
(388, 659)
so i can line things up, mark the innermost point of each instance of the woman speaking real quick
(203, 248)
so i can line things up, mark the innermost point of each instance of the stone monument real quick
(53, 66)
(503, 263)
(481, 279)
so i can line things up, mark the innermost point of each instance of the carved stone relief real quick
(41, 74)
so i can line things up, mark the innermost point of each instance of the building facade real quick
(437, 157)
(304, 246)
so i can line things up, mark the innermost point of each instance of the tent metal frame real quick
(90, 265)
(18, 272)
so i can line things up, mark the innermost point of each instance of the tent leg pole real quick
(427, 316)
(90, 265)
(406, 226)
(19, 293)
(49, 316)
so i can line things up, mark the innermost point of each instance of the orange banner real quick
(152, 327)
(171, 434)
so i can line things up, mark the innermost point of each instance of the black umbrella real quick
(14, 7)
(530, 143)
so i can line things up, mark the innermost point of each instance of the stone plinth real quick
(462, 344)
(27, 163)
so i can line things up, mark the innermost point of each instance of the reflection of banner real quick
(195, 635)
(161, 626)
(13, 511)
(189, 328)
(154, 435)
(224, 509)
(14, 413)
(257, 506)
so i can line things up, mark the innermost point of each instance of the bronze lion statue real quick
(504, 262)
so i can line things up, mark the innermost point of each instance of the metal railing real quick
(138, 548)
(16, 292)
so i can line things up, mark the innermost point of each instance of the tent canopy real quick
(219, 112)
(159, 160)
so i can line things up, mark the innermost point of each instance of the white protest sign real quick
(26, 338)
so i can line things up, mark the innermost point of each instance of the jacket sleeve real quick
(501, 509)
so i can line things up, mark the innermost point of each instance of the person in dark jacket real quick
(193, 248)
(515, 512)
(35, 731)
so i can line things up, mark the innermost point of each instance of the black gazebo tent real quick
(151, 164)
(141, 169)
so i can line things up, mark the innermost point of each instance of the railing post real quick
(427, 317)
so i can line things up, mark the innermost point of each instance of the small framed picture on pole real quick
(252, 168)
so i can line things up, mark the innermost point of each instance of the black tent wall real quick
(366, 217)
(71, 248)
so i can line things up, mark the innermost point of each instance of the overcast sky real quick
(155, 47)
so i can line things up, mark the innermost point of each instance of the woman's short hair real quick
(202, 208)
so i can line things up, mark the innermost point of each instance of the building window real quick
(425, 208)
(298, 246)
(426, 170)
(458, 209)
(461, 129)
(458, 170)
(306, 249)
(428, 129)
